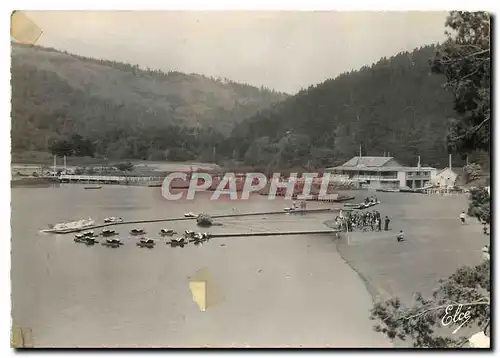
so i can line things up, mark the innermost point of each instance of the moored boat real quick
(180, 241)
(115, 242)
(342, 198)
(362, 206)
(113, 219)
(190, 215)
(108, 232)
(410, 190)
(137, 232)
(146, 242)
(388, 190)
(166, 232)
(199, 238)
(70, 226)
(93, 187)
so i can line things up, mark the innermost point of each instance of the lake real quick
(276, 291)
(272, 291)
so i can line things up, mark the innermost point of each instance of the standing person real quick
(379, 223)
(462, 217)
(386, 223)
(401, 236)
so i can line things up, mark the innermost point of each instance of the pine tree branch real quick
(473, 129)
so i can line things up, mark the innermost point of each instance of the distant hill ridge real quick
(55, 94)
(394, 106)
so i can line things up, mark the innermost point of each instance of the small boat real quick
(189, 233)
(410, 190)
(167, 232)
(79, 236)
(199, 238)
(89, 233)
(190, 215)
(113, 219)
(63, 228)
(93, 187)
(91, 241)
(112, 243)
(108, 232)
(388, 190)
(362, 206)
(146, 242)
(137, 232)
(342, 198)
(181, 241)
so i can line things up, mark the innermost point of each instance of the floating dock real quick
(307, 211)
(272, 233)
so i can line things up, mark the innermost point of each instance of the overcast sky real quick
(282, 50)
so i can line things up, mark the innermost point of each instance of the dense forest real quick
(395, 106)
(123, 110)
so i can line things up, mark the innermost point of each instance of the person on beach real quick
(379, 224)
(462, 217)
(386, 223)
(401, 236)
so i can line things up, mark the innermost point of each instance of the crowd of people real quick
(362, 221)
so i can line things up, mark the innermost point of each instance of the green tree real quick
(61, 148)
(465, 60)
(472, 172)
(125, 167)
(479, 206)
(422, 324)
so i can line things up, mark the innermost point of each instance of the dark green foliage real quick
(472, 172)
(394, 106)
(74, 146)
(421, 323)
(126, 111)
(479, 206)
(465, 60)
(125, 167)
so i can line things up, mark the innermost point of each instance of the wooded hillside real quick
(395, 106)
(124, 110)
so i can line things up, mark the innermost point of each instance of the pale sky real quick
(285, 51)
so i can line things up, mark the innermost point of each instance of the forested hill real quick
(124, 110)
(395, 106)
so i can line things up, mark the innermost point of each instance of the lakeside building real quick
(383, 173)
(445, 178)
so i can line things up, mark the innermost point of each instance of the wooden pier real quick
(102, 179)
(308, 211)
(272, 233)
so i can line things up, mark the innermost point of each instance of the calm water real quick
(273, 291)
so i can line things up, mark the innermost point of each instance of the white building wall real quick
(444, 178)
(402, 178)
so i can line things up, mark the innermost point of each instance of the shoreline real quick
(436, 246)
